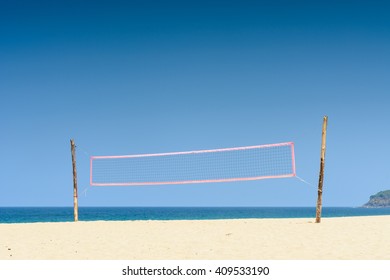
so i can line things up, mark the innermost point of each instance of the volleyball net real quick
(202, 166)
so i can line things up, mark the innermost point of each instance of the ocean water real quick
(65, 214)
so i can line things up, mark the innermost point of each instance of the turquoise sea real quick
(65, 214)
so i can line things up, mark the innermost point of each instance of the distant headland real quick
(379, 200)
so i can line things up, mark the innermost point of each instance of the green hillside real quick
(379, 200)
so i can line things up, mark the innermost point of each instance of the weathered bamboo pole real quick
(75, 196)
(322, 167)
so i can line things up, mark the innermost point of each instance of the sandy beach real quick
(352, 238)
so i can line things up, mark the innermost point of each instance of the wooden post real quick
(75, 200)
(322, 167)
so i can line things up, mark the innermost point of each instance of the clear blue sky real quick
(125, 77)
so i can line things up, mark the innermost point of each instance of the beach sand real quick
(352, 238)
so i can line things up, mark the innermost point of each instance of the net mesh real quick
(220, 165)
